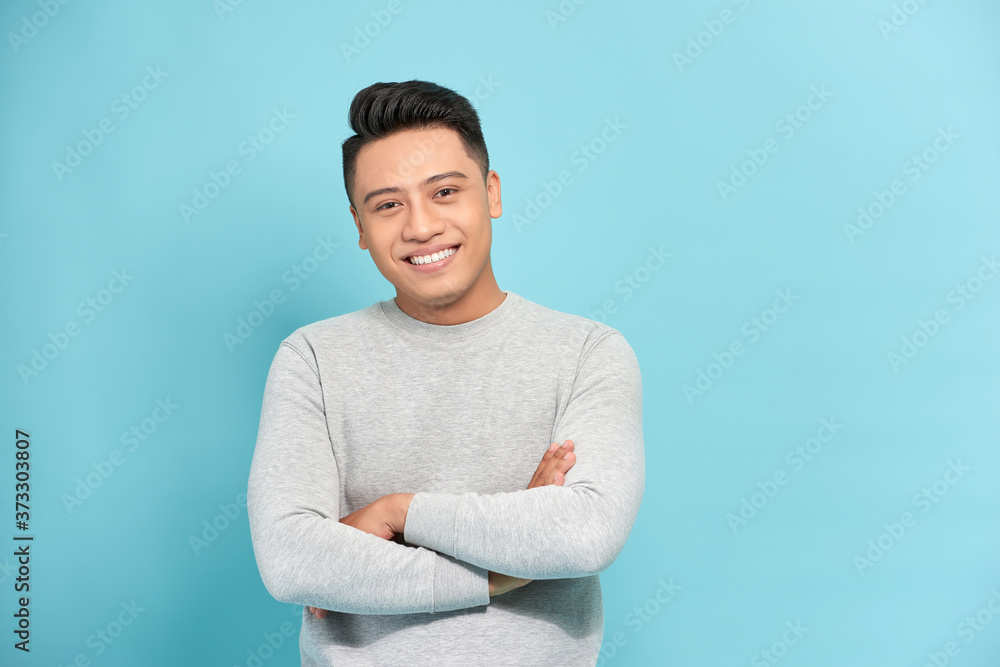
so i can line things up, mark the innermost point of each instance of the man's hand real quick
(317, 612)
(385, 517)
(503, 583)
(556, 461)
(551, 471)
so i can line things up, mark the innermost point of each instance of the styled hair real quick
(383, 108)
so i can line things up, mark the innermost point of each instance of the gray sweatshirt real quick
(376, 402)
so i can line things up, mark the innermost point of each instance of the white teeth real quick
(435, 257)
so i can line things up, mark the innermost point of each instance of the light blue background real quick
(552, 87)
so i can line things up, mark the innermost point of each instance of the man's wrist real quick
(400, 506)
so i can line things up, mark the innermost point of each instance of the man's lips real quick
(439, 265)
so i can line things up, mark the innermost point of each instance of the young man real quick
(400, 489)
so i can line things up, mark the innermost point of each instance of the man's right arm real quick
(304, 554)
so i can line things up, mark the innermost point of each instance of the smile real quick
(436, 257)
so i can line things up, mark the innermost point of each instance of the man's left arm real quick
(556, 532)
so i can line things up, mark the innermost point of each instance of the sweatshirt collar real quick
(450, 332)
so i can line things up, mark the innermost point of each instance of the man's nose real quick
(423, 220)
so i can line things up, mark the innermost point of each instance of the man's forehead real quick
(406, 143)
(410, 155)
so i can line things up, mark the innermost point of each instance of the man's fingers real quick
(538, 479)
(558, 461)
(562, 465)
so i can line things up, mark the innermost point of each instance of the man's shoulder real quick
(552, 324)
(339, 327)
(564, 338)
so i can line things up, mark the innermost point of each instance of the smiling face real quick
(417, 193)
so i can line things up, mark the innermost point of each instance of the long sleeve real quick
(304, 554)
(557, 532)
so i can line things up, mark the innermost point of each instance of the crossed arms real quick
(308, 554)
(386, 517)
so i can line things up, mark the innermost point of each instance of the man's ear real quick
(493, 193)
(361, 232)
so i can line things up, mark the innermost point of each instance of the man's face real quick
(417, 192)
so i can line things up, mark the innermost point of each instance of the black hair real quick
(384, 108)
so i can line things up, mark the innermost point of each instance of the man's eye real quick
(379, 208)
(446, 190)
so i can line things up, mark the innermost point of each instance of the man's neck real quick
(470, 306)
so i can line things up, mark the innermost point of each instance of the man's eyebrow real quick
(432, 179)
